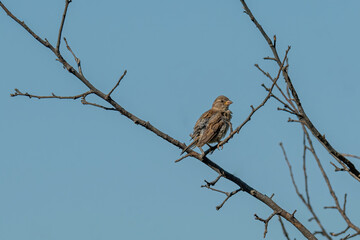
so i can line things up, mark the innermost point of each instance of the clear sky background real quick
(69, 171)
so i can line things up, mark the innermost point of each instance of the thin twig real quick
(229, 195)
(288, 111)
(342, 232)
(339, 157)
(77, 60)
(117, 84)
(22, 23)
(331, 190)
(269, 58)
(350, 155)
(237, 130)
(306, 203)
(266, 221)
(350, 236)
(19, 93)
(212, 183)
(293, 107)
(295, 121)
(283, 228)
(337, 169)
(183, 157)
(61, 26)
(83, 101)
(278, 99)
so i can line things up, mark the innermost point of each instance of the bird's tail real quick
(191, 145)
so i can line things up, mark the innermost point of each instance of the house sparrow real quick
(212, 125)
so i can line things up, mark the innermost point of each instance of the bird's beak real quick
(227, 103)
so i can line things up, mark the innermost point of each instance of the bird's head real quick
(221, 103)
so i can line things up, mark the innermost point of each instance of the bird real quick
(212, 125)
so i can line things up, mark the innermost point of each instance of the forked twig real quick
(237, 130)
(265, 221)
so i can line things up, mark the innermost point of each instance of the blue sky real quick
(70, 171)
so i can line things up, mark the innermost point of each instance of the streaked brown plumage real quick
(212, 126)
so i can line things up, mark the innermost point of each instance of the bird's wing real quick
(200, 126)
(201, 123)
(212, 129)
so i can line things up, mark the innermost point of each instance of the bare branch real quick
(77, 60)
(117, 84)
(274, 41)
(228, 195)
(346, 237)
(330, 207)
(242, 185)
(350, 236)
(19, 93)
(61, 26)
(270, 58)
(83, 101)
(278, 99)
(295, 121)
(22, 23)
(305, 172)
(277, 86)
(305, 202)
(342, 232)
(288, 111)
(339, 157)
(337, 169)
(183, 157)
(237, 130)
(350, 155)
(283, 228)
(332, 192)
(212, 183)
(345, 198)
(266, 221)
(265, 73)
